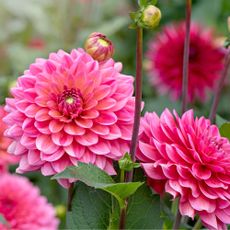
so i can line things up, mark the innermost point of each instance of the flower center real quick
(70, 102)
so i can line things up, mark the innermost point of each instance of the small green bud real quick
(150, 17)
(127, 164)
(99, 47)
(60, 211)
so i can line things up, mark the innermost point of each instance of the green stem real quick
(186, 56)
(70, 196)
(122, 175)
(198, 225)
(176, 224)
(219, 87)
(138, 98)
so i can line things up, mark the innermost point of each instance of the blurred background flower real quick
(165, 57)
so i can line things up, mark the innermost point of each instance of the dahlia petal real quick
(152, 171)
(102, 92)
(55, 126)
(170, 190)
(186, 209)
(42, 115)
(201, 172)
(55, 114)
(52, 157)
(109, 168)
(73, 129)
(88, 139)
(16, 148)
(101, 148)
(100, 130)
(60, 139)
(28, 141)
(31, 110)
(207, 192)
(43, 127)
(126, 132)
(106, 104)
(114, 133)
(34, 157)
(89, 114)
(149, 151)
(107, 118)
(44, 143)
(201, 203)
(47, 170)
(209, 219)
(60, 165)
(75, 150)
(83, 123)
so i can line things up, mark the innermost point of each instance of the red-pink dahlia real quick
(165, 57)
(70, 108)
(188, 158)
(23, 207)
(5, 158)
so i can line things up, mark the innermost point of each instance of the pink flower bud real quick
(99, 46)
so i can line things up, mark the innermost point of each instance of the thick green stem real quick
(219, 87)
(138, 98)
(186, 57)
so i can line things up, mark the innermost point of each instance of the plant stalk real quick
(198, 225)
(176, 224)
(219, 87)
(186, 57)
(138, 98)
(70, 196)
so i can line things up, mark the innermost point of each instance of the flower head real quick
(150, 17)
(165, 57)
(99, 46)
(23, 207)
(5, 158)
(188, 158)
(70, 108)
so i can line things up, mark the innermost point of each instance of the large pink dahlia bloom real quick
(188, 158)
(5, 158)
(70, 108)
(165, 56)
(23, 207)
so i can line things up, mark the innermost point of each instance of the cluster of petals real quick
(165, 58)
(70, 108)
(188, 158)
(5, 158)
(22, 206)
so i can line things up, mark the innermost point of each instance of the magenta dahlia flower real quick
(5, 158)
(165, 57)
(70, 108)
(23, 207)
(188, 158)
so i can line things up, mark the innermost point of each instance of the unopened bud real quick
(151, 17)
(99, 47)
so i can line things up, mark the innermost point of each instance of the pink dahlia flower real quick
(5, 158)
(165, 56)
(188, 158)
(23, 207)
(70, 108)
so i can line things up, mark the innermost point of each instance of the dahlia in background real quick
(5, 158)
(188, 158)
(23, 207)
(165, 57)
(70, 108)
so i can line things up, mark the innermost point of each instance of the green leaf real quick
(144, 210)
(225, 130)
(142, 3)
(97, 178)
(121, 191)
(153, 2)
(87, 173)
(90, 208)
(220, 120)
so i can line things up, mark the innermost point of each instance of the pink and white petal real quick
(88, 139)
(45, 144)
(55, 126)
(75, 150)
(101, 148)
(61, 139)
(73, 129)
